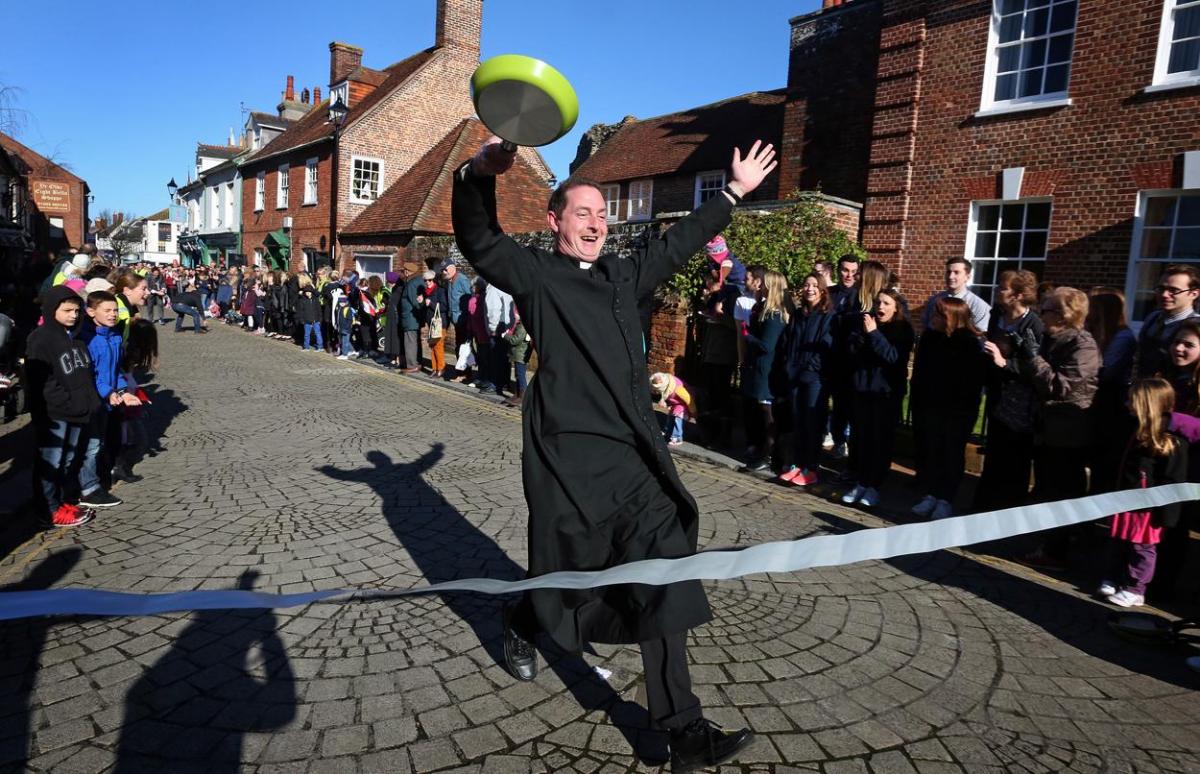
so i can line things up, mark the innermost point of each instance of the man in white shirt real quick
(958, 277)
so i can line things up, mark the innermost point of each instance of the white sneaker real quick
(926, 506)
(851, 497)
(343, 357)
(1125, 598)
(1107, 589)
(828, 442)
(839, 451)
(869, 498)
(943, 510)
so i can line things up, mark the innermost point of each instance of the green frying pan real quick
(523, 100)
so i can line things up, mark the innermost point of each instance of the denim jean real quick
(311, 328)
(181, 310)
(59, 443)
(89, 477)
(346, 350)
(520, 368)
(672, 426)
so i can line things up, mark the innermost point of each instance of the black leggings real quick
(941, 439)
(873, 436)
(760, 427)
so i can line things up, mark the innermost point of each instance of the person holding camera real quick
(1012, 404)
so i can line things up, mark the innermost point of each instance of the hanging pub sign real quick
(51, 196)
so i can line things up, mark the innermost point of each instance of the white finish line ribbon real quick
(779, 557)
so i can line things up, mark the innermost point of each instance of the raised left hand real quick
(748, 173)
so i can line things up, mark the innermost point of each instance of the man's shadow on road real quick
(445, 546)
(194, 707)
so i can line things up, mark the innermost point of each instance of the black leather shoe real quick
(519, 654)
(702, 743)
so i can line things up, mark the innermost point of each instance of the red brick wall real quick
(668, 341)
(831, 89)
(930, 157)
(310, 223)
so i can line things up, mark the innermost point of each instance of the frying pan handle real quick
(511, 147)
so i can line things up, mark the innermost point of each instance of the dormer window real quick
(340, 91)
(257, 138)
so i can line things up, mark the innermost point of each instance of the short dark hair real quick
(958, 259)
(558, 199)
(848, 258)
(1182, 268)
(98, 297)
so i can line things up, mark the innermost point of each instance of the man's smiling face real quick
(583, 225)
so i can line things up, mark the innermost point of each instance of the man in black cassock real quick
(601, 486)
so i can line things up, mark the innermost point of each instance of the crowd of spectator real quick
(1063, 397)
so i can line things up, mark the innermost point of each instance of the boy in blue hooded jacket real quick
(111, 385)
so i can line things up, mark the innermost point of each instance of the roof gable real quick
(38, 164)
(315, 124)
(688, 141)
(419, 201)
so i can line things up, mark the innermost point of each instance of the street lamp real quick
(338, 111)
(172, 188)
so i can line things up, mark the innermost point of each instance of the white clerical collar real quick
(584, 265)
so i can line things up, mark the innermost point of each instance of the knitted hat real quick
(716, 248)
(96, 283)
(392, 277)
(81, 261)
(76, 284)
(659, 381)
(428, 275)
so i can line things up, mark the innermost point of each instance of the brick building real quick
(1057, 136)
(393, 231)
(57, 199)
(312, 181)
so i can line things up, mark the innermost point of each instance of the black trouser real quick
(110, 450)
(1059, 474)
(810, 408)
(840, 418)
(1006, 467)
(669, 697)
(941, 440)
(499, 365)
(873, 436)
(760, 427)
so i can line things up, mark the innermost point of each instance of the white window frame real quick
(988, 104)
(258, 256)
(310, 180)
(229, 192)
(612, 201)
(214, 205)
(705, 182)
(641, 199)
(354, 160)
(1163, 79)
(1135, 247)
(281, 187)
(260, 192)
(973, 233)
(340, 90)
(360, 264)
(257, 143)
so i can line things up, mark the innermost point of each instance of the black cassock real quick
(599, 480)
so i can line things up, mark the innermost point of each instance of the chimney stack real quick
(289, 95)
(459, 24)
(316, 95)
(831, 3)
(343, 60)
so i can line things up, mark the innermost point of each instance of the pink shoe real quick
(805, 479)
(790, 474)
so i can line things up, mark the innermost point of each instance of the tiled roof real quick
(270, 119)
(315, 124)
(217, 151)
(37, 163)
(419, 201)
(688, 141)
(162, 214)
(367, 75)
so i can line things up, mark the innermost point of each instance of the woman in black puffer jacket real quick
(308, 310)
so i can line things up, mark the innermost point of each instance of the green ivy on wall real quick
(788, 240)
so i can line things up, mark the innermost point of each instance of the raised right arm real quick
(494, 255)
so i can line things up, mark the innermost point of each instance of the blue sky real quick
(123, 92)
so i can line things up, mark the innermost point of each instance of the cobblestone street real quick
(291, 471)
